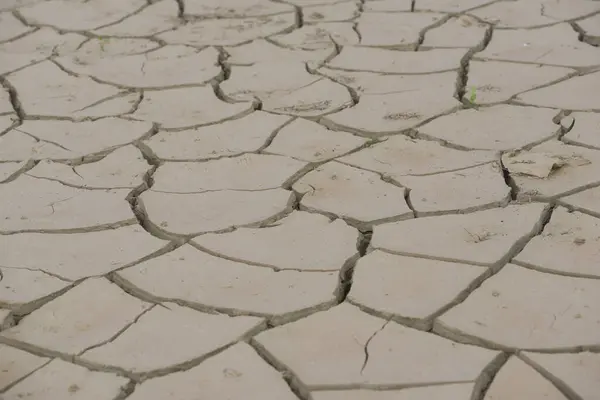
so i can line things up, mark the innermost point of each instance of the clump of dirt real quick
(402, 116)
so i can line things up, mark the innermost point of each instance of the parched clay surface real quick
(196, 278)
(299, 199)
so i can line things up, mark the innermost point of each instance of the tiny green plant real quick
(473, 95)
(103, 42)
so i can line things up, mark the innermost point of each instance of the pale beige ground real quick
(299, 200)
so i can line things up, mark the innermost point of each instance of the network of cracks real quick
(300, 199)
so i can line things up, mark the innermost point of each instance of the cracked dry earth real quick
(299, 199)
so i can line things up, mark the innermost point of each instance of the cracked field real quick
(299, 199)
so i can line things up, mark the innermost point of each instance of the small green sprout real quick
(103, 42)
(473, 95)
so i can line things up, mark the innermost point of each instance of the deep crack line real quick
(366, 347)
(558, 383)
(13, 97)
(295, 384)
(463, 73)
(509, 180)
(423, 32)
(24, 167)
(487, 376)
